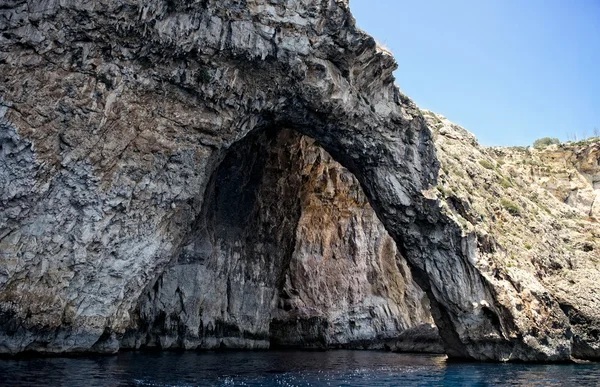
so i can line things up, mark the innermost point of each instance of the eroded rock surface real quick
(570, 172)
(538, 245)
(117, 115)
(345, 272)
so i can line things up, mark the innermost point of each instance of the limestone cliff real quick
(570, 172)
(122, 128)
(533, 215)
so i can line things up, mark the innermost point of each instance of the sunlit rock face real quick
(117, 118)
(571, 172)
(532, 211)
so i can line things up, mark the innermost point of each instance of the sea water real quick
(285, 368)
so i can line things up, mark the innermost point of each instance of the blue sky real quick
(510, 71)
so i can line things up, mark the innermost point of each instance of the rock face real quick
(532, 212)
(346, 278)
(563, 240)
(570, 172)
(288, 252)
(122, 129)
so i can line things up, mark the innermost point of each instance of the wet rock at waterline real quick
(117, 119)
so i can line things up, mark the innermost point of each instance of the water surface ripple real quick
(286, 368)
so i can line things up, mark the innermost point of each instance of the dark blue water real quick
(274, 368)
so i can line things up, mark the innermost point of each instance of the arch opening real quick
(286, 253)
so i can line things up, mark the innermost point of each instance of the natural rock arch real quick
(286, 252)
(145, 96)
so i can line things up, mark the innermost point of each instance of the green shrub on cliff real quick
(486, 164)
(545, 141)
(511, 207)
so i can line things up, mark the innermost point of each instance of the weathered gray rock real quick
(116, 119)
(422, 338)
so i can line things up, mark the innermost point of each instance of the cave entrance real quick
(287, 252)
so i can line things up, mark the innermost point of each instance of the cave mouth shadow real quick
(287, 253)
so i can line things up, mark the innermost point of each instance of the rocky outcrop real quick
(539, 246)
(570, 172)
(115, 126)
(562, 182)
(118, 119)
(422, 338)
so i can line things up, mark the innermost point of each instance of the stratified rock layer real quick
(117, 116)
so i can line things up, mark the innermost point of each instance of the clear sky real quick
(510, 71)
